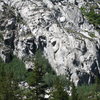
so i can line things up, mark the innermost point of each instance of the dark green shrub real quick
(16, 67)
(93, 17)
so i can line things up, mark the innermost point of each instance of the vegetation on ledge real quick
(41, 79)
(92, 16)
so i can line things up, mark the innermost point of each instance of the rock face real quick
(59, 29)
(5, 54)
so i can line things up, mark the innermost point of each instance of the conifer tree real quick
(58, 92)
(8, 86)
(97, 88)
(97, 83)
(36, 78)
(74, 93)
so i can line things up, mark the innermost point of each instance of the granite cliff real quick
(57, 27)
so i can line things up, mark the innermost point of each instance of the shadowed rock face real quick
(6, 54)
(59, 29)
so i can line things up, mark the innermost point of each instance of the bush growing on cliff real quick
(92, 16)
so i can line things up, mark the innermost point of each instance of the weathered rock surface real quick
(6, 54)
(59, 29)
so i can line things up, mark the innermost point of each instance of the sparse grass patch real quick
(92, 35)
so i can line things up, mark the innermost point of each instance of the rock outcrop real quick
(6, 54)
(60, 30)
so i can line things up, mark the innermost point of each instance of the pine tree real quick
(97, 83)
(36, 78)
(74, 93)
(58, 92)
(97, 88)
(8, 86)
